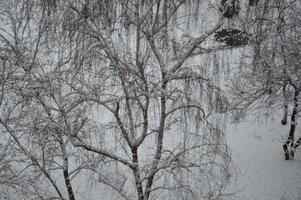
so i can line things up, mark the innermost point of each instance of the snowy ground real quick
(263, 172)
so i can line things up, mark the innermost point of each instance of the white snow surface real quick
(263, 174)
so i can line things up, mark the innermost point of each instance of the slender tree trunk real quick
(66, 170)
(159, 141)
(136, 172)
(68, 185)
(293, 122)
(285, 106)
(288, 147)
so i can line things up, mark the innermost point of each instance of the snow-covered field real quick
(263, 174)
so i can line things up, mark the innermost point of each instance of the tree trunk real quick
(293, 117)
(159, 141)
(68, 185)
(288, 147)
(66, 169)
(137, 173)
(285, 106)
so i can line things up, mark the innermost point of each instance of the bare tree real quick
(129, 82)
(273, 78)
(30, 88)
(155, 98)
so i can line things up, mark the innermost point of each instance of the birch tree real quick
(157, 100)
(272, 80)
(129, 84)
(31, 96)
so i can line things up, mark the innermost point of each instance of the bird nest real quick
(232, 37)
